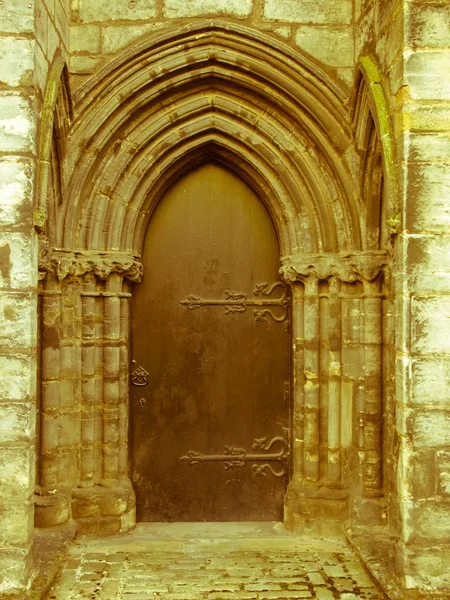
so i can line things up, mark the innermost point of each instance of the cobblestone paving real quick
(212, 562)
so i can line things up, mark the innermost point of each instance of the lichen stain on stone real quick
(26, 79)
(10, 313)
(5, 262)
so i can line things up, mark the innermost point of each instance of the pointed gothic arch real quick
(220, 85)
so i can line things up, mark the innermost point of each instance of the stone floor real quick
(212, 561)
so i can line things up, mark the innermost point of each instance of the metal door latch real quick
(139, 377)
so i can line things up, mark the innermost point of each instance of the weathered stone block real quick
(426, 117)
(17, 421)
(15, 567)
(430, 326)
(99, 526)
(40, 25)
(390, 43)
(16, 123)
(17, 471)
(40, 69)
(395, 73)
(365, 30)
(16, 189)
(69, 429)
(17, 377)
(430, 522)
(115, 38)
(53, 41)
(428, 568)
(66, 362)
(51, 395)
(428, 190)
(18, 316)
(17, 258)
(332, 46)
(428, 263)
(431, 429)
(84, 64)
(308, 11)
(233, 8)
(85, 38)
(443, 472)
(402, 385)
(429, 25)
(316, 511)
(104, 510)
(16, 61)
(431, 381)
(62, 22)
(423, 479)
(426, 147)
(68, 466)
(428, 75)
(104, 10)
(402, 306)
(50, 431)
(51, 510)
(424, 566)
(16, 521)
(385, 9)
(17, 17)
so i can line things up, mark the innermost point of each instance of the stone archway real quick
(282, 124)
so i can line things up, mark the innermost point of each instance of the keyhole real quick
(142, 402)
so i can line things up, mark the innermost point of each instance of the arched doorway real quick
(213, 91)
(210, 349)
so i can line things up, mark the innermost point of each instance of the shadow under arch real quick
(222, 85)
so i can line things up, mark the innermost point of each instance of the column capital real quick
(64, 263)
(347, 267)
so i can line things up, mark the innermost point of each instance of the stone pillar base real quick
(51, 509)
(101, 510)
(316, 510)
(368, 510)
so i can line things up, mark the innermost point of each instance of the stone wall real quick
(410, 42)
(18, 297)
(99, 30)
(423, 310)
(52, 36)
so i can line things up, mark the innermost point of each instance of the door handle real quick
(139, 376)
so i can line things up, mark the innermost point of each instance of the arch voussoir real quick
(134, 118)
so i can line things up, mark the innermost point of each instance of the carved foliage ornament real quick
(66, 263)
(363, 266)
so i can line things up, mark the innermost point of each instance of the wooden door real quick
(210, 349)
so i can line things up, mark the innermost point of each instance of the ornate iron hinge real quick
(236, 458)
(236, 302)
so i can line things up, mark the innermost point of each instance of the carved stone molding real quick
(68, 263)
(361, 266)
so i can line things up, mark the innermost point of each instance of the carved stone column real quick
(312, 383)
(331, 396)
(84, 424)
